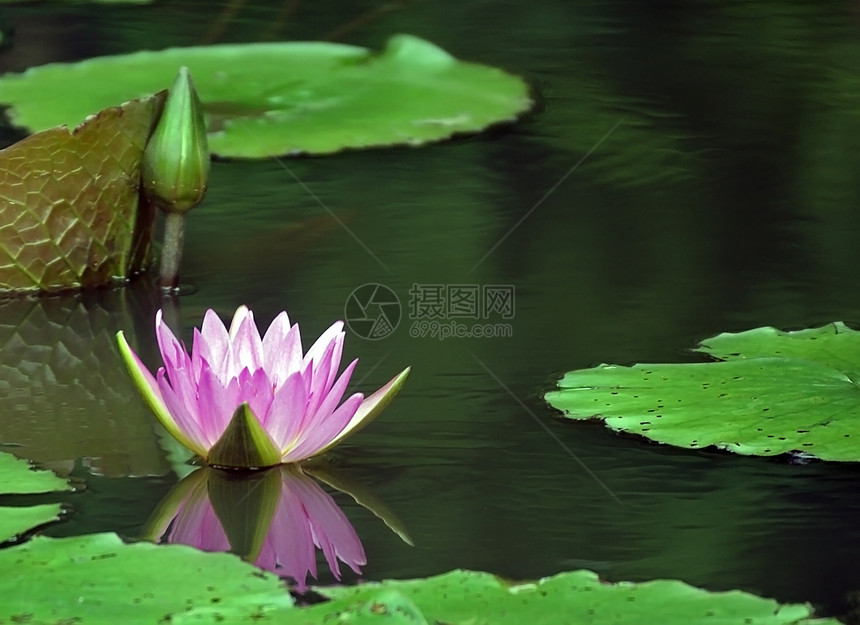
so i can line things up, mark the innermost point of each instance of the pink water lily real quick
(243, 401)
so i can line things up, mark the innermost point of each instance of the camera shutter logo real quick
(372, 311)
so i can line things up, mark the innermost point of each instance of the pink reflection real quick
(277, 520)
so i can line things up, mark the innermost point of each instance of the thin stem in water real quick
(171, 253)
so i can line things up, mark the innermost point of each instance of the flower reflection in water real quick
(275, 519)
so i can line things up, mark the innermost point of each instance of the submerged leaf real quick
(70, 209)
(776, 392)
(283, 98)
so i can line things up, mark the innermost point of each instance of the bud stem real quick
(171, 253)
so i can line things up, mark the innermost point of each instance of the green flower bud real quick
(176, 159)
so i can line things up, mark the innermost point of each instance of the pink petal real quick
(321, 433)
(186, 420)
(247, 344)
(286, 412)
(256, 390)
(282, 349)
(238, 317)
(317, 349)
(176, 360)
(334, 363)
(311, 420)
(216, 405)
(197, 359)
(317, 374)
(214, 345)
(334, 395)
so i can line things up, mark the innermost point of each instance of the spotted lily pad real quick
(773, 392)
(99, 579)
(468, 597)
(18, 477)
(282, 98)
(70, 209)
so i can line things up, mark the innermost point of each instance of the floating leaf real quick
(70, 209)
(279, 98)
(19, 520)
(98, 579)
(462, 597)
(776, 392)
(834, 345)
(19, 477)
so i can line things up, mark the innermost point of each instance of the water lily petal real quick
(247, 344)
(316, 350)
(216, 404)
(317, 375)
(325, 369)
(370, 408)
(214, 346)
(286, 412)
(182, 425)
(282, 349)
(177, 363)
(317, 437)
(331, 399)
(143, 380)
(256, 390)
(238, 317)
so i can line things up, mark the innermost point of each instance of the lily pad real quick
(467, 597)
(775, 392)
(18, 477)
(15, 521)
(99, 579)
(265, 99)
(70, 208)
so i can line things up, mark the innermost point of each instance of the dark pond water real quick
(691, 169)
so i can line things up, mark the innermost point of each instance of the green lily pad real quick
(15, 521)
(18, 477)
(282, 98)
(99, 579)
(834, 345)
(775, 392)
(467, 597)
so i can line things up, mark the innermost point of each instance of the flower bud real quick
(176, 159)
